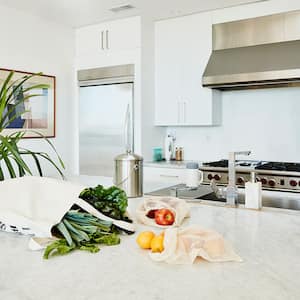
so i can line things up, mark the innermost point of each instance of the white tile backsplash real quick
(266, 121)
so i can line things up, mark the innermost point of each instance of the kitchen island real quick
(268, 241)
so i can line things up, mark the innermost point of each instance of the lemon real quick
(144, 239)
(157, 243)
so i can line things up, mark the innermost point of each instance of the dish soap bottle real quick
(169, 146)
(253, 193)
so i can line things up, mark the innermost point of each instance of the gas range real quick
(282, 176)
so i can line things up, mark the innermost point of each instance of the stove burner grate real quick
(223, 163)
(279, 166)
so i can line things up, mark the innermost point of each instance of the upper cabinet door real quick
(108, 37)
(167, 73)
(183, 46)
(123, 34)
(90, 40)
(197, 38)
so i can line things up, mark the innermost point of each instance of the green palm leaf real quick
(14, 152)
(12, 109)
(1, 174)
(11, 155)
(18, 84)
(51, 146)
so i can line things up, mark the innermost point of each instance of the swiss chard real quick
(82, 231)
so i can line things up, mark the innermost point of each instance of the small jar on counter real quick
(179, 154)
(157, 154)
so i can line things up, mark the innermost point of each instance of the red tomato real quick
(164, 217)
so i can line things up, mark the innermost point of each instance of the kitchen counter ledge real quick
(267, 240)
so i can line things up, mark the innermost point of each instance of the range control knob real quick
(217, 177)
(264, 181)
(257, 179)
(210, 177)
(241, 180)
(272, 182)
(293, 182)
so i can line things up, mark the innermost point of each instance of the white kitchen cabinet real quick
(182, 49)
(119, 35)
(164, 176)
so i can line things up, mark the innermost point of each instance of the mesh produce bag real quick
(178, 206)
(183, 246)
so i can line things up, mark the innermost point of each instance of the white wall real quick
(31, 44)
(264, 121)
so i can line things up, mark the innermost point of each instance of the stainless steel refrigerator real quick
(102, 124)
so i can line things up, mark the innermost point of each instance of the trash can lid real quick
(128, 157)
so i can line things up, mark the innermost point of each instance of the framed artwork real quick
(40, 110)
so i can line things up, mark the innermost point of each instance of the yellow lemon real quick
(157, 243)
(144, 239)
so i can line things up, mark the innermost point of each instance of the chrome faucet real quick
(231, 191)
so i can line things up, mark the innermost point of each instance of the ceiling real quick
(77, 13)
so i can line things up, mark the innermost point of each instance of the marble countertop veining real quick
(267, 240)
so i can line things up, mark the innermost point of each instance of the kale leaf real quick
(112, 201)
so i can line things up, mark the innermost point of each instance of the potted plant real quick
(11, 154)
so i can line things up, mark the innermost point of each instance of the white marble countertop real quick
(267, 240)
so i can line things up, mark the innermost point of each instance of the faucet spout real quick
(231, 191)
(242, 152)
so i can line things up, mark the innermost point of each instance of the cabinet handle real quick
(184, 111)
(169, 176)
(107, 44)
(102, 40)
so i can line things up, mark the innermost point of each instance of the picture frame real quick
(39, 120)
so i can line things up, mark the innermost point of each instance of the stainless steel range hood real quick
(255, 53)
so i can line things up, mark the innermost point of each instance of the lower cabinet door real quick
(166, 176)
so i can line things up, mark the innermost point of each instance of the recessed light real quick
(122, 7)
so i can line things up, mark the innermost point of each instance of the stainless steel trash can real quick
(128, 174)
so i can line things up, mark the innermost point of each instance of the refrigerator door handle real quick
(107, 42)
(102, 40)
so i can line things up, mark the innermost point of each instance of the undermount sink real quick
(183, 192)
(205, 192)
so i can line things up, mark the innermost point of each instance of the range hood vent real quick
(255, 53)
(120, 8)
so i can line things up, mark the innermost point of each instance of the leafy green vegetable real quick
(108, 239)
(82, 231)
(91, 248)
(63, 230)
(112, 201)
(58, 247)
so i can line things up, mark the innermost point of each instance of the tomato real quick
(164, 216)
